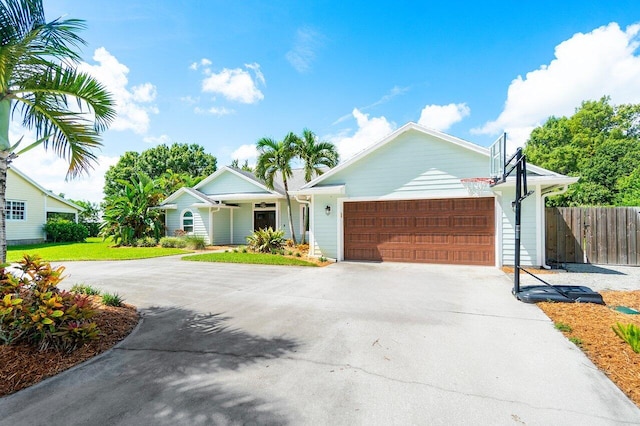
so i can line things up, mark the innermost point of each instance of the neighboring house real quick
(401, 199)
(27, 207)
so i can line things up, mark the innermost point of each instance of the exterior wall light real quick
(327, 210)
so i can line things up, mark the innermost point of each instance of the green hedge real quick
(63, 231)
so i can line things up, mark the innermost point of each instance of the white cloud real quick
(157, 140)
(441, 117)
(236, 84)
(133, 114)
(370, 131)
(395, 91)
(190, 100)
(204, 62)
(586, 67)
(217, 111)
(245, 152)
(307, 41)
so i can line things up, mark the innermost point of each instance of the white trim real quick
(499, 243)
(245, 197)
(26, 217)
(435, 195)
(184, 189)
(540, 237)
(211, 212)
(210, 206)
(340, 223)
(312, 227)
(231, 225)
(193, 221)
(328, 189)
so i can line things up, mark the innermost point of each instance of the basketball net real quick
(476, 186)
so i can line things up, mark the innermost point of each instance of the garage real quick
(450, 231)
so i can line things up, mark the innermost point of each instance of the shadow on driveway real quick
(160, 376)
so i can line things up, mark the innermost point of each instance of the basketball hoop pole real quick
(518, 212)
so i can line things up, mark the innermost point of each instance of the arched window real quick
(187, 221)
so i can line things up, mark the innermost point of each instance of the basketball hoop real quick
(476, 186)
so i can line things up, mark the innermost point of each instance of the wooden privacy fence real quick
(601, 235)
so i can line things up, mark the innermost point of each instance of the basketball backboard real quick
(498, 158)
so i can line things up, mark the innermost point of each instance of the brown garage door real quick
(454, 231)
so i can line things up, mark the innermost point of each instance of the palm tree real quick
(273, 157)
(314, 154)
(38, 78)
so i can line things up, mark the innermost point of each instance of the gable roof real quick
(248, 176)
(193, 192)
(411, 126)
(47, 192)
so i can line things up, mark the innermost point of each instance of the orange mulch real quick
(591, 329)
(22, 366)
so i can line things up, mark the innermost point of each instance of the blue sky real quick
(223, 74)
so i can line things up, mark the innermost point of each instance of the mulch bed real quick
(591, 327)
(22, 366)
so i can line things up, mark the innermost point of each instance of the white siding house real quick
(27, 206)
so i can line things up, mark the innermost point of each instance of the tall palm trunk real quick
(3, 214)
(286, 191)
(5, 119)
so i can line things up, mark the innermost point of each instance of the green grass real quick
(251, 258)
(563, 327)
(92, 249)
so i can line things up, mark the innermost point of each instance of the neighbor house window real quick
(187, 221)
(16, 210)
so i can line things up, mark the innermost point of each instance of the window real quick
(16, 210)
(187, 221)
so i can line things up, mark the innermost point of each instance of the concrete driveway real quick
(351, 343)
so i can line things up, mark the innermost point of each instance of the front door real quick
(264, 219)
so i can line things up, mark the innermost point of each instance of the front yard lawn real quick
(253, 258)
(92, 249)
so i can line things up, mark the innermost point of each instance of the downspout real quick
(553, 191)
(308, 203)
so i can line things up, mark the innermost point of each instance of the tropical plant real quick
(245, 166)
(112, 299)
(128, 215)
(314, 154)
(630, 333)
(38, 79)
(35, 311)
(195, 242)
(266, 240)
(275, 157)
(172, 242)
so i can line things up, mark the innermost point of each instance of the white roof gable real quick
(45, 191)
(431, 132)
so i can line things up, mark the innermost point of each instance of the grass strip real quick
(92, 249)
(249, 258)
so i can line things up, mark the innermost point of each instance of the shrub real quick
(322, 259)
(630, 333)
(63, 230)
(112, 299)
(35, 311)
(179, 233)
(194, 242)
(298, 254)
(266, 240)
(85, 289)
(146, 242)
(172, 242)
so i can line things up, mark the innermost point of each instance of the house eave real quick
(540, 180)
(328, 189)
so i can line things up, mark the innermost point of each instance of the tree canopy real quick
(601, 144)
(173, 166)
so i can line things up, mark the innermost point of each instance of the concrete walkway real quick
(349, 344)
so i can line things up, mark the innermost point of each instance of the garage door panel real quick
(459, 231)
